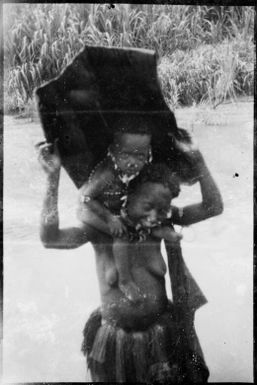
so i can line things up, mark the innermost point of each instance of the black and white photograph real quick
(128, 193)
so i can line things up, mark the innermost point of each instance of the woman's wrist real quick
(201, 168)
(203, 171)
(53, 178)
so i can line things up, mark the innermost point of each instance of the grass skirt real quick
(165, 352)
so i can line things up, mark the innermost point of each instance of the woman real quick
(124, 341)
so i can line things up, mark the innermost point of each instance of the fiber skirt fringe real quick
(164, 353)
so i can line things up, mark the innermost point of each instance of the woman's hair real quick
(156, 173)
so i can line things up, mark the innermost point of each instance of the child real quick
(147, 207)
(103, 193)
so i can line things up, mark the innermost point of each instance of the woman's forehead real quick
(155, 191)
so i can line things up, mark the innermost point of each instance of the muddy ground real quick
(48, 294)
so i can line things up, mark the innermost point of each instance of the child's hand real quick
(166, 233)
(116, 227)
(49, 157)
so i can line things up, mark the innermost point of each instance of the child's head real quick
(131, 147)
(150, 195)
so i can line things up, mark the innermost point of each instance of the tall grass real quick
(41, 39)
(208, 73)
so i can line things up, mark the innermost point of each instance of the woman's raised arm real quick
(211, 204)
(50, 233)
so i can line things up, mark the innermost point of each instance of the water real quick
(48, 294)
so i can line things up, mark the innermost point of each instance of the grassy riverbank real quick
(206, 53)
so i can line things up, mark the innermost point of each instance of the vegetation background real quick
(206, 53)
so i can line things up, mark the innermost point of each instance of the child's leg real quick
(121, 258)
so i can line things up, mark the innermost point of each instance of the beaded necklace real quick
(124, 178)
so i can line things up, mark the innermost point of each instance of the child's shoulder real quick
(104, 169)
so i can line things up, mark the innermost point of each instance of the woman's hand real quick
(49, 157)
(211, 204)
(193, 156)
(190, 151)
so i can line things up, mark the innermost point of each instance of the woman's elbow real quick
(46, 240)
(46, 243)
(57, 245)
(216, 209)
(220, 208)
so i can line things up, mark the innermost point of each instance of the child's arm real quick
(50, 233)
(92, 212)
(211, 204)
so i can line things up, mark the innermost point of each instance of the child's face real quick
(131, 152)
(150, 205)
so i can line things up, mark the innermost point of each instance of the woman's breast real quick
(148, 270)
(156, 266)
(149, 257)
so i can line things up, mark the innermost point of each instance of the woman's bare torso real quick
(148, 270)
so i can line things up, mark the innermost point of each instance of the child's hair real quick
(156, 173)
(132, 124)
